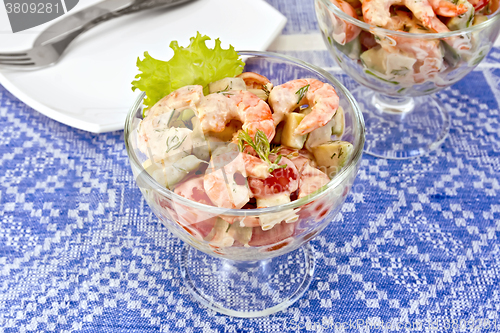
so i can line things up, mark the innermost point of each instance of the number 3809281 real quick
(18, 7)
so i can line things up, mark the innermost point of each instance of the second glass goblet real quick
(400, 72)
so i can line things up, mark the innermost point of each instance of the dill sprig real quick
(401, 71)
(173, 142)
(275, 149)
(223, 91)
(266, 91)
(261, 146)
(302, 92)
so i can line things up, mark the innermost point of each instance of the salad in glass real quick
(233, 140)
(410, 47)
(402, 53)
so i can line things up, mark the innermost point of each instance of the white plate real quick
(90, 87)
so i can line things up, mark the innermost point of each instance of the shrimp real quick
(450, 9)
(420, 48)
(298, 157)
(293, 94)
(226, 186)
(156, 125)
(427, 52)
(225, 179)
(377, 12)
(311, 179)
(257, 84)
(254, 166)
(183, 98)
(255, 81)
(217, 110)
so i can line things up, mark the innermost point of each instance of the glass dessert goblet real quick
(228, 266)
(400, 71)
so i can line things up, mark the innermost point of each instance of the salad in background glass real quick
(402, 52)
(244, 166)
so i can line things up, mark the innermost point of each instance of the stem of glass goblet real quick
(393, 104)
(401, 128)
(247, 289)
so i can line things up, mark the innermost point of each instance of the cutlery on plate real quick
(53, 41)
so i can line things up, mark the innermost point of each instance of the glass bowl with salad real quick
(244, 156)
(402, 52)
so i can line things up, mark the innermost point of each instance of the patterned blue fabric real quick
(415, 248)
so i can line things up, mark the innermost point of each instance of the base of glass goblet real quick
(402, 127)
(247, 288)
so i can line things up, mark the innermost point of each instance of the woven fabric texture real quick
(415, 248)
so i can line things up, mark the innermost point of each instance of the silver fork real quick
(53, 41)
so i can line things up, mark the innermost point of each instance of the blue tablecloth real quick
(415, 248)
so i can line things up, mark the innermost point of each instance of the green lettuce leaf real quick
(195, 64)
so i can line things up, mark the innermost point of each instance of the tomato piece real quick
(284, 180)
(479, 4)
(351, 31)
(367, 39)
